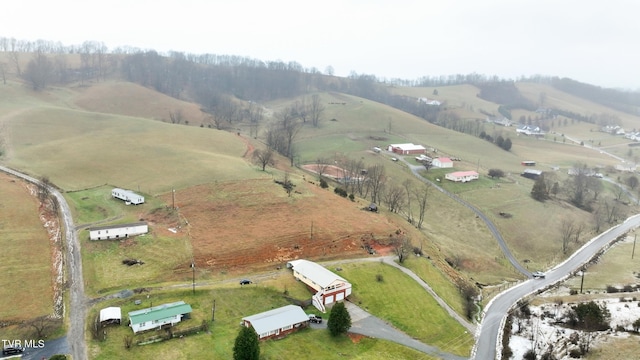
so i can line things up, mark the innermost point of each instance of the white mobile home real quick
(157, 316)
(128, 196)
(118, 231)
(328, 287)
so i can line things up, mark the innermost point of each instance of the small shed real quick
(110, 315)
(277, 323)
(442, 162)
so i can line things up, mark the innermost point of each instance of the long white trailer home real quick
(120, 231)
(128, 196)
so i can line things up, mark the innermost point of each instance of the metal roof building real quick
(277, 322)
(157, 316)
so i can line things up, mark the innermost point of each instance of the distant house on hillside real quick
(462, 176)
(119, 231)
(277, 323)
(529, 130)
(442, 162)
(328, 287)
(128, 196)
(157, 316)
(407, 149)
(531, 173)
(431, 102)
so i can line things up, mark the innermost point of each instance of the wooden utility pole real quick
(193, 281)
(173, 196)
(634, 245)
(213, 311)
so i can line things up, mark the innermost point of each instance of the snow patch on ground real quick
(540, 330)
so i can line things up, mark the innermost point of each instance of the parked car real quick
(245, 282)
(538, 275)
(315, 318)
(12, 351)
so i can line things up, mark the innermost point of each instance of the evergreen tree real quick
(506, 145)
(339, 320)
(246, 346)
(539, 190)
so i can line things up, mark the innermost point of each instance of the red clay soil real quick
(253, 225)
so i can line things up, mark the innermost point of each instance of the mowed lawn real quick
(399, 300)
(26, 267)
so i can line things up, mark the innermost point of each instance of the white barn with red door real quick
(328, 287)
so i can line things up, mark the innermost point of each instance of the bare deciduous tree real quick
(376, 179)
(422, 194)
(401, 245)
(316, 109)
(42, 325)
(263, 157)
(39, 71)
(408, 187)
(176, 116)
(394, 196)
(567, 231)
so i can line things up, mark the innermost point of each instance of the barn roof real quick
(159, 312)
(315, 272)
(277, 318)
(444, 160)
(408, 146)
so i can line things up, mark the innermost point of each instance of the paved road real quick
(495, 312)
(415, 169)
(77, 300)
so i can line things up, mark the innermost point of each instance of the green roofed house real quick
(157, 316)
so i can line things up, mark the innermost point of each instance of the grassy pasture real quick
(615, 268)
(96, 205)
(26, 265)
(104, 271)
(79, 150)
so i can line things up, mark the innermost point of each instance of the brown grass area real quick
(135, 100)
(26, 285)
(253, 225)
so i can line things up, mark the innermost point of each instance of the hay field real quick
(27, 277)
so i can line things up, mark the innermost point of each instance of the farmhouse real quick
(118, 231)
(462, 176)
(328, 287)
(406, 149)
(128, 196)
(277, 323)
(442, 162)
(158, 316)
(110, 315)
(531, 173)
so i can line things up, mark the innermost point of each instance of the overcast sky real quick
(590, 41)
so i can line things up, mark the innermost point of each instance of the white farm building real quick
(328, 287)
(277, 323)
(128, 196)
(119, 231)
(462, 176)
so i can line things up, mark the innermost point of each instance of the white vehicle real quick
(538, 275)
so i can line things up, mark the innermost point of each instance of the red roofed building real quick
(462, 176)
(406, 149)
